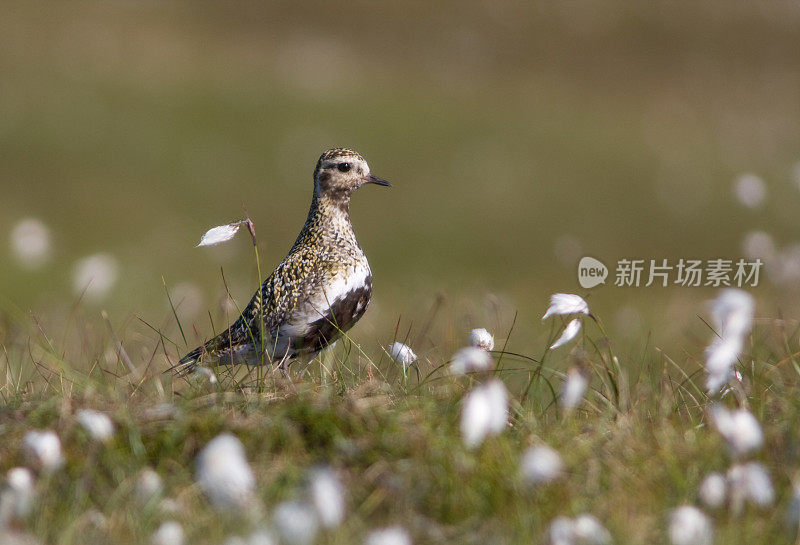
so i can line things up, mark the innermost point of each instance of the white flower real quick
(568, 334)
(16, 497)
(224, 474)
(750, 190)
(560, 532)
(541, 464)
(688, 525)
(588, 531)
(394, 535)
(750, 482)
(485, 413)
(94, 276)
(148, 485)
(481, 338)
(296, 523)
(713, 490)
(327, 496)
(739, 428)
(584, 529)
(566, 303)
(169, 533)
(30, 243)
(721, 356)
(402, 354)
(573, 388)
(758, 244)
(98, 425)
(44, 449)
(470, 359)
(732, 312)
(220, 234)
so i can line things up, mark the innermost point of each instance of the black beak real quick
(378, 181)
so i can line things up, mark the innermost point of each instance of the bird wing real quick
(277, 297)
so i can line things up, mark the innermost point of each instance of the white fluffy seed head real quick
(688, 525)
(750, 190)
(732, 312)
(296, 523)
(587, 530)
(721, 356)
(169, 533)
(220, 234)
(394, 535)
(148, 485)
(43, 449)
(470, 359)
(402, 354)
(758, 244)
(485, 413)
(560, 531)
(94, 276)
(564, 304)
(541, 465)
(713, 490)
(98, 425)
(224, 474)
(327, 496)
(481, 338)
(750, 482)
(584, 529)
(30, 243)
(16, 495)
(573, 388)
(569, 333)
(739, 428)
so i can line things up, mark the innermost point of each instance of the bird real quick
(321, 288)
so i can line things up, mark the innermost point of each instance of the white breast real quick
(317, 307)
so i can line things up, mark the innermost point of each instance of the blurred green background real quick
(519, 136)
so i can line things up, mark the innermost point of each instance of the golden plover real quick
(318, 291)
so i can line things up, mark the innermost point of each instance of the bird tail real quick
(189, 362)
(213, 351)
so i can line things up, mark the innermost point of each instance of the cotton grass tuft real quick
(224, 474)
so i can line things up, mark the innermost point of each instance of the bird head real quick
(341, 171)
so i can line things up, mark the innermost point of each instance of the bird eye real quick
(344, 167)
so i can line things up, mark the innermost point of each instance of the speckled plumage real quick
(317, 292)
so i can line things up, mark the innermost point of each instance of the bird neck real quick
(328, 220)
(333, 207)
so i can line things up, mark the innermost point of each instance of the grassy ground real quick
(637, 447)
